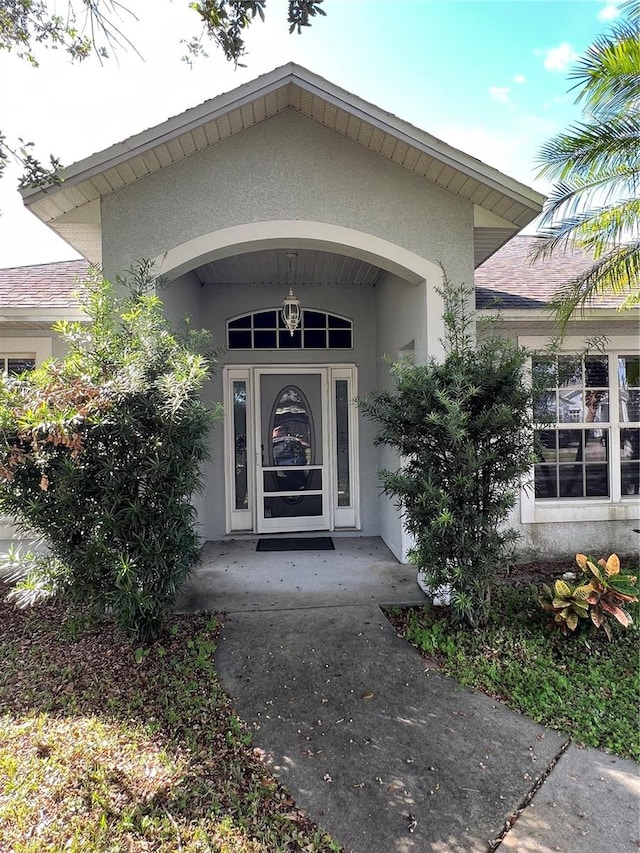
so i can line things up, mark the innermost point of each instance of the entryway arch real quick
(402, 305)
(323, 236)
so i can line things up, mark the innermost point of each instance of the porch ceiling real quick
(272, 267)
(72, 208)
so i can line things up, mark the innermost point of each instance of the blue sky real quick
(488, 76)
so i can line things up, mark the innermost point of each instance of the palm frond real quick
(608, 74)
(580, 197)
(595, 203)
(586, 146)
(617, 272)
(597, 231)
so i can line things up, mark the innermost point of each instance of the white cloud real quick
(500, 93)
(519, 78)
(559, 58)
(609, 12)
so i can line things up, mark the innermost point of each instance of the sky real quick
(490, 77)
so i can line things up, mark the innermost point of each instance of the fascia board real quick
(266, 84)
(425, 142)
(40, 315)
(546, 314)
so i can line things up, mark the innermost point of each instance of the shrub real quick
(100, 454)
(462, 430)
(602, 593)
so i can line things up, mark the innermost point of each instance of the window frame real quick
(615, 506)
(278, 329)
(39, 349)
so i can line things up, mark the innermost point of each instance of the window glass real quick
(10, 366)
(629, 388)
(240, 443)
(342, 442)
(286, 340)
(572, 450)
(265, 320)
(314, 320)
(264, 339)
(315, 339)
(630, 461)
(340, 339)
(266, 330)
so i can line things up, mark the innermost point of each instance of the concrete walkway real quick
(385, 754)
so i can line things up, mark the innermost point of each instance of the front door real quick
(291, 448)
(291, 442)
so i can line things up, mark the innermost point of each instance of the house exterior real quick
(292, 183)
(584, 491)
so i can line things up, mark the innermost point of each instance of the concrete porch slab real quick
(234, 577)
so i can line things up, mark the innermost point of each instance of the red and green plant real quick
(601, 593)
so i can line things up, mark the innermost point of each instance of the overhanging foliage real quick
(100, 455)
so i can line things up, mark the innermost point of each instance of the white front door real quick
(291, 442)
(291, 448)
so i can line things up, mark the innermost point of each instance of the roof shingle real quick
(510, 279)
(42, 286)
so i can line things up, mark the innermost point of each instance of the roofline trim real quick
(529, 314)
(213, 108)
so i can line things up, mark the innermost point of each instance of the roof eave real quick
(292, 73)
(546, 314)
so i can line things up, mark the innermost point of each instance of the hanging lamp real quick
(291, 312)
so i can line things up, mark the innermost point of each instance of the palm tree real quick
(595, 203)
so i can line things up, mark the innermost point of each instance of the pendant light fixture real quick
(291, 313)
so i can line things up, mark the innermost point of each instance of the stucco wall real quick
(182, 298)
(291, 168)
(559, 540)
(288, 167)
(401, 326)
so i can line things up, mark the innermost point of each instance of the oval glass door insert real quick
(291, 429)
(292, 439)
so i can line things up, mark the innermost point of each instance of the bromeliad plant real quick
(601, 594)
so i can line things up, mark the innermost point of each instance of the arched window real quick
(265, 330)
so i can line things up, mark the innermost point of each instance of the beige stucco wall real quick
(288, 167)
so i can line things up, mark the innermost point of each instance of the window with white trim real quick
(266, 330)
(13, 365)
(587, 427)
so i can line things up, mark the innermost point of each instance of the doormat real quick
(290, 543)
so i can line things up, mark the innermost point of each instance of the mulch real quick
(543, 571)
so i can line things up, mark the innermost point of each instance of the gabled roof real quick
(503, 205)
(509, 279)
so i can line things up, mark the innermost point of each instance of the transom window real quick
(266, 330)
(587, 430)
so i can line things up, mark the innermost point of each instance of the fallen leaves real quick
(105, 751)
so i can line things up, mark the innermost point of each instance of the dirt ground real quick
(542, 571)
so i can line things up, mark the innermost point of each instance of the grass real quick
(581, 685)
(104, 749)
